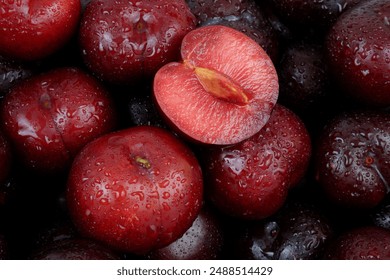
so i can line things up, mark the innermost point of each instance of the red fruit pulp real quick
(136, 190)
(224, 89)
(251, 179)
(33, 29)
(124, 41)
(51, 116)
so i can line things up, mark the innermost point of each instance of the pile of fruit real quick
(198, 129)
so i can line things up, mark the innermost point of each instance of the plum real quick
(125, 41)
(251, 179)
(352, 158)
(49, 117)
(135, 190)
(358, 51)
(34, 29)
(223, 90)
(362, 243)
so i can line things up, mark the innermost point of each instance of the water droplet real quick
(139, 194)
(166, 206)
(104, 201)
(164, 184)
(99, 193)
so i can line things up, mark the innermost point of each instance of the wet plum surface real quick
(124, 41)
(194, 129)
(137, 189)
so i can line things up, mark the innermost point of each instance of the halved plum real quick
(223, 90)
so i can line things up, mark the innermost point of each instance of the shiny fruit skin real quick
(34, 29)
(123, 42)
(135, 190)
(251, 179)
(51, 116)
(358, 51)
(352, 159)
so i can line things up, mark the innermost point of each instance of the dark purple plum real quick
(5, 158)
(75, 249)
(255, 241)
(304, 232)
(58, 231)
(298, 231)
(362, 243)
(10, 73)
(142, 111)
(3, 248)
(380, 216)
(352, 157)
(303, 78)
(244, 15)
(358, 51)
(318, 14)
(202, 241)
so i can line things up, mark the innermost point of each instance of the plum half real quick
(223, 90)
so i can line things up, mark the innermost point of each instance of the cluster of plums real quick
(198, 129)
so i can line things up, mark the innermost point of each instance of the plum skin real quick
(39, 32)
(244, 16)
(202, 241)
(135, 190)
(352, 156)
(5, 158)
(49, 117)
(74, 249)
(361, 243)
(358, 51)
(123, 42)
(251, 179)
